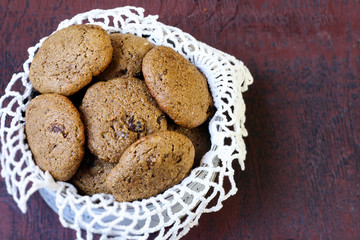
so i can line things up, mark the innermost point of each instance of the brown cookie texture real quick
(55, 134)
(91, 175)
(69, 58)
(118, 112)
(199, 136)
(151, 165)
(129, 51)
(179, 88)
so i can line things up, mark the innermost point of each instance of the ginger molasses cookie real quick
(91, 175)
(68, 59)
(55, 135)
(151, 165)
(129, 51)
(118, 112)
(177, 85)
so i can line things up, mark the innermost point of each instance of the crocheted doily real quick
(169, 215)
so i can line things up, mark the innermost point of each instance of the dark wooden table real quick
(302, 178)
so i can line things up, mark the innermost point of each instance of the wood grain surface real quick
(302, 176)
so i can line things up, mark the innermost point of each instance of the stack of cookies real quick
(116, 114)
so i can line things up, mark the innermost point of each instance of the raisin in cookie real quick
(151, 165)
(129, 51)
(68, 59)
(179, 88)
(55, 135)
(118, 112)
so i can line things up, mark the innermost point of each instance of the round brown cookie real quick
(55, 135)
(68, 59)
(129, 51)
(118, 112)
(179, 88)
(151, 165)
(91, 175)
(199, 136)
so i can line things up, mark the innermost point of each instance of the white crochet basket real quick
(169, 215)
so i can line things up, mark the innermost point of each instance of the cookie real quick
(55, 135)
(68, 59)
(91, 175)
(118, 112)
(178, 87)
(129, 51)
(151, 165)
(199, 136)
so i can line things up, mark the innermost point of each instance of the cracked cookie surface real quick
(151, 165)
(55, 135)
(68, 59)
(179, 88)
(129, 51)
(118, 112)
